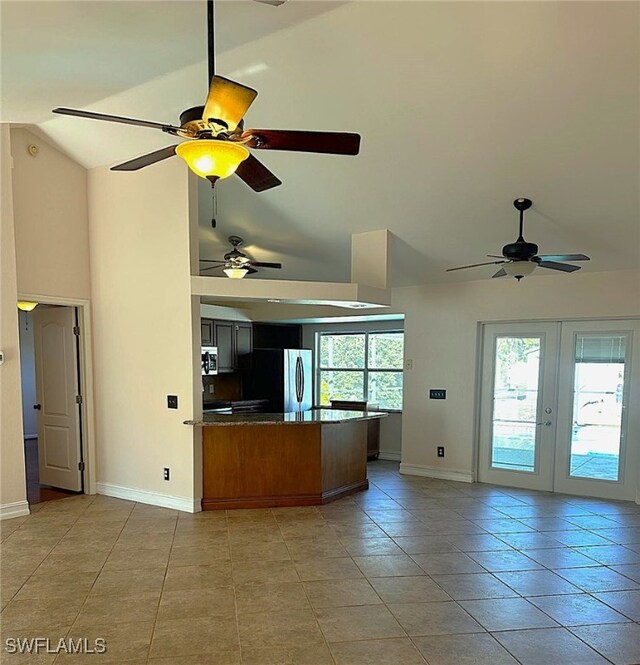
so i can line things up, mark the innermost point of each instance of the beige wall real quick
(143, 337)
(391, 426)
(441, 336)
(50, 208)
(12, 482)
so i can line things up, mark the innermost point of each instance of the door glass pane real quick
(341, 386)
(385, 390)
(343, 351)
(598, 389)
(515, 403)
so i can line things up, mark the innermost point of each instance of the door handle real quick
(37, 407)
(547, 423)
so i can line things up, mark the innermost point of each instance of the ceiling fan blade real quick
(476, 265)
(564, 257)
(212, 261)
(501, 273)
(228, 101)
(257, 175)
(495, 256)
(250, 271)
(212, 267)
(273, 3)
(334, 143)
(116, 118)
(265, 264)
(564, 267)
(146, 160)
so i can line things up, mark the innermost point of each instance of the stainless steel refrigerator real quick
(283, 376)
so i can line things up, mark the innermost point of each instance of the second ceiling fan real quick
(236, 264)
(218, 145)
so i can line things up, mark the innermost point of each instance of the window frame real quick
(365, 370)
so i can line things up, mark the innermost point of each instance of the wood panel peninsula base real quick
(290, 459)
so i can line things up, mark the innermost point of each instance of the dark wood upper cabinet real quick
(277, 336)
(206, 332)
(243, 340)
(232, 338)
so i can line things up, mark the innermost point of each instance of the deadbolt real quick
(548, 410)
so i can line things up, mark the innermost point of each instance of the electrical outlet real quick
(211, 389)
(440, 451)
(172, 401)
(437, 393)
(166, 473)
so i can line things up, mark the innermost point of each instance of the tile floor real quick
(413, 571)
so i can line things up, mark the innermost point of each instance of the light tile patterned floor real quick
(413, 571)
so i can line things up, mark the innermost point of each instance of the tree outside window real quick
(361, 367)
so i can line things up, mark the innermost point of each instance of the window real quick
(361, 366)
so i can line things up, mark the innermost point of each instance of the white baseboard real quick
(152, 498)
(389, 455)
(437, 472)
(15, 509)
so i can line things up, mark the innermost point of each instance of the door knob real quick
(37, 407)
(546, 423)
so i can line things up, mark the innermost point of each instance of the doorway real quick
(554, 400)
(52, 402)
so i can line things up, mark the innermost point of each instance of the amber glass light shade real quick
(207, 157)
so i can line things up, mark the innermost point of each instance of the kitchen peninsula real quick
(283, 459)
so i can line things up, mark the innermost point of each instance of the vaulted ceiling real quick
(462, 107)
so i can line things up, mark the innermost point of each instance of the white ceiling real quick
(462, 108)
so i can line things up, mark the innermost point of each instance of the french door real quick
(554, 410)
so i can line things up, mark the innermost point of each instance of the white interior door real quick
(59, 451)
(517, 419)
(598, 433)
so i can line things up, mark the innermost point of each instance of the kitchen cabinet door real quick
(243, 340)
(223, 338)
(206, 332)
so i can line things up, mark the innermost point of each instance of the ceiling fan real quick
(237, 264)
(218, 145)
(520, 258)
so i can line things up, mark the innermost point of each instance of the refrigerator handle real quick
(301, 379)
(298, 387)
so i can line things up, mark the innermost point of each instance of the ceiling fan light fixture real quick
(519, 269)
(235, 273)
(27, 306)
(211, 158)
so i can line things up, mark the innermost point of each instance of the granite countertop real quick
(312, 417)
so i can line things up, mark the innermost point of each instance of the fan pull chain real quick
(214, 208)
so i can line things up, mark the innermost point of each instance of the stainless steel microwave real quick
(209, 360)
